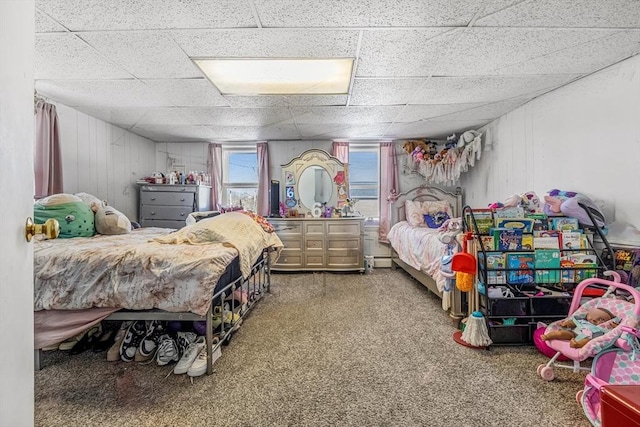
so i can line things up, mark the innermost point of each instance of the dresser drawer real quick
(289, 260)
(290, 243)
(345, 260)
(162, 223)
(314, 227)
(169, 198)
(337, 243)
(175, 213)
(284, 229)
(350, 228)
(314, 243)
(314, 260)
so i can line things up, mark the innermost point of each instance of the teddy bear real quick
(410, 145)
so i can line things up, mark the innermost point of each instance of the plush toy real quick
(452, 141)
(432, 149)
(467, 138)
(74, 217)
(109, 220)
(569, 203)
(411, 145)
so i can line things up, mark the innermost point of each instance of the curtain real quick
(262, 204)
(48, 158)
(214, 167)
(340, 150)
(388, 187)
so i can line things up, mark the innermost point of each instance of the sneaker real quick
(231, 320)
(189, 356)
(149, 344)
(184, 340)
(167, 350)
(113, 353)
(199, 366)
(137, 330)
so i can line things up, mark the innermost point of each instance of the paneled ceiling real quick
(423, 68)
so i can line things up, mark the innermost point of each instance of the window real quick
(364, 178)
(240, 177)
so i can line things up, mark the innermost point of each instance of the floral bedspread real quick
(420, 248)
(136, 271)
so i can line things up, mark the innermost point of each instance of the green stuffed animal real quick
(75, 218)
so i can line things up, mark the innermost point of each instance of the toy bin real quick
(550, 306)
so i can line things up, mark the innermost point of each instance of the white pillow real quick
(89, 199)
(58, 199)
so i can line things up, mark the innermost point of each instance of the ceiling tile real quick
(384, 91)
(253, 133)
(338, 130)
(95, 15)
(100, 93)
(372, 13)
(167, 116)
(345, 115)
(44, 24)
(264, 43)
(483, 112)
(123, 117)
(442, 90)
(393, 53)
(414, 113)
(574, 13)
(225, 116)
(187, 92)
(583, 59)
(170, 133)
(65, 56)
(470, 48)
(149, 54)
(284, 100)
(432, 129)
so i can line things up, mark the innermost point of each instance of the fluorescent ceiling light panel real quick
(279, 76)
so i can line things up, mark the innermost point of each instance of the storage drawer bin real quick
(514, 306)
(550, 306)
(510, 334)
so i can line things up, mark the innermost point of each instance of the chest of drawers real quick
(320, 244)
(169, 205)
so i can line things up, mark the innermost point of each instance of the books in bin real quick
(520, 268)
(565, 224)
(625, 258)
(488, 243)
(511, 212)
(547, 258)
(483, 218)
(546, 242)
(495, 260)
(524, 224)
(507, 239)
(571, 240)
(540, 221)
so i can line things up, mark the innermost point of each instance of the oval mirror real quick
(314, 186)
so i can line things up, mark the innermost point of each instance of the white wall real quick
(103, 159)
(582, 137)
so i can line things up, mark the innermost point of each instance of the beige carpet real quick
(322, 350)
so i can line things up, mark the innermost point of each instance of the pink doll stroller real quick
(626, 315)
(611, 367)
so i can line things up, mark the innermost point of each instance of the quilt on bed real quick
(148, 268)
(420, 248)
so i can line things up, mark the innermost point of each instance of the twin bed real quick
(417, 248)
(153, 274)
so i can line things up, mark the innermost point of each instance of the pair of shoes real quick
(113, 353)
(171, 350)
(149, 344)
(82, 336)
(189, 355)
(199, 366)
(88, 340)
(135, 333)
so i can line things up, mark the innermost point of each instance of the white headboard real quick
(423, 193)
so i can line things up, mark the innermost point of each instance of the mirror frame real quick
(292, 171)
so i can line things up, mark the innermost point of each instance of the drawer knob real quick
(153, 198)
(182, 200)
(153, 213)
(181, 213)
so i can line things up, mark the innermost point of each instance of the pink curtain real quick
(388, 187)
(48, 158)
(214, 167)
(262, 204)
(340, 150)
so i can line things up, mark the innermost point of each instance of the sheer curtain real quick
(340, 150)
(48, 158)
(388, 187)
(214, 167)
(262, 204)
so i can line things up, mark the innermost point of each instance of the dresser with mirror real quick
(319, 233)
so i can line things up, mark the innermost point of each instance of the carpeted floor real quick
(322, 350)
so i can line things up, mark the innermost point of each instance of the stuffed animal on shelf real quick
(410, 145)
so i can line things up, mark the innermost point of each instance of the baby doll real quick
(582, 328)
